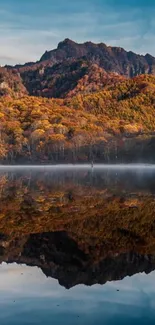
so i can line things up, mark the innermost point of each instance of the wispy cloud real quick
(29, 28)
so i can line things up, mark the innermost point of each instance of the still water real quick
(77, 245)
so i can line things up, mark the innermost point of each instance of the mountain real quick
(78, 104)
(110, 58)
(88, 67)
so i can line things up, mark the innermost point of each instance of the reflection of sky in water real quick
(28, 297)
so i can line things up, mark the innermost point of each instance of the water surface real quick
(77, 245)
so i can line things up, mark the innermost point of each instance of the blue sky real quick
(28, 28)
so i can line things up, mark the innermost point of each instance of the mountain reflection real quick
(79, 226)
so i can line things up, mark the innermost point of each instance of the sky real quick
(29, 28)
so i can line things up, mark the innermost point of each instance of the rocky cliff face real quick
(11, 83)
(112, 59)
(94, 66)
(59, 72)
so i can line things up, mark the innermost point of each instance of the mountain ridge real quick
(59, 71)
(70, 49)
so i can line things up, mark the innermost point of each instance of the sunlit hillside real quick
(110, 125)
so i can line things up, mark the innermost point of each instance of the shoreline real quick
(79, 166)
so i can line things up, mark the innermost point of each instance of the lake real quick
(77, 245)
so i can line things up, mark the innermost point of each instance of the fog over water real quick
(81, 166)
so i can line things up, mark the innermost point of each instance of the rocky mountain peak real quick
(112, 59)
(66, 42)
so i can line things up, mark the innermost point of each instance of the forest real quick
(115, 124)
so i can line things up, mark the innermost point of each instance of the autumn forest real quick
(77, 105)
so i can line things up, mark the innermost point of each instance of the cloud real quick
(29, 28)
